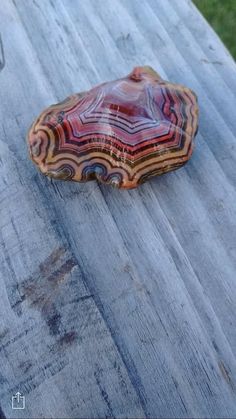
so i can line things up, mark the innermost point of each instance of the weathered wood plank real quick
(49, 321)
(216, 53)
(217, 189)
(151, 267)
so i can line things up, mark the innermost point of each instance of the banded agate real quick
(122, 132)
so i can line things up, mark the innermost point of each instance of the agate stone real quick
(121, 132)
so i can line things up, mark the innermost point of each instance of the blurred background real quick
(221, 14)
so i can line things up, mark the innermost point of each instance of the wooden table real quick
(116, 303)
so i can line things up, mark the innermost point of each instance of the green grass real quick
(221, 14)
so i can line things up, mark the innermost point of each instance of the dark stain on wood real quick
(40, 287)
(63, 342)
(68, 338)
(60, 273)
(25, 366)
(54, 321)
(226, 374)
(56, 254)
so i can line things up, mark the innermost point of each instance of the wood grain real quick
(116, 303)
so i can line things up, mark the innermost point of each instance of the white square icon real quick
(18, 401)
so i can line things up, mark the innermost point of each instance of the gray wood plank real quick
(216, 53)
(152, 327)
(216, 180)
(215, 193)
(222, 97)
(49, 320)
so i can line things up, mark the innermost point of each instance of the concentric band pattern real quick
(121, 132)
